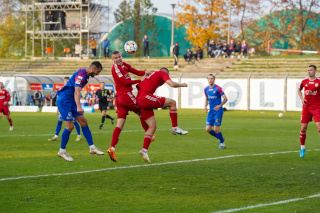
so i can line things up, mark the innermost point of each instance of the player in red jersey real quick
(4, 108)
(147, 102)
(311, 104)
(125, 100)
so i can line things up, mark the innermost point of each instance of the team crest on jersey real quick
(316, 85)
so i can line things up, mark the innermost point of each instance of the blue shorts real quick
(60, 118)
(67, 109)
(214, 118)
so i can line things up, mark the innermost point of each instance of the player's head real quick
(102, 85)
(211, 78)
(164, 69)
(116, 57)
(312, 69)
(1, 85)
(65, 80)
(95, 68)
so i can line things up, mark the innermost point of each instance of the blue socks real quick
(64, 139)
(220, 138)
(58, 128)
(75, 123)
(87, 134)
(213, 133)
(217, 135)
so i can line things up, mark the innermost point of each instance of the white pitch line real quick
(145, 165)
(141, 130)
(269, 204)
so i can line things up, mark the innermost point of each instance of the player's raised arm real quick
(175, 84)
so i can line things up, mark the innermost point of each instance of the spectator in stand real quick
(145, 41)
(212, 48)
(38, 96)
(93, 44)
(231, 49)
(50, 18)
(63, 20)
(238, 49)
(198, 54)
(225, 48)
(188, 56)
(175, 51)
(218, 50)
(106, 48)
(244, 48)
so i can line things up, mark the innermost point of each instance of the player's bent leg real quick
(174, 117)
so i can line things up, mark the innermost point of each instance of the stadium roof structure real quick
(161, 42)
(280, 20)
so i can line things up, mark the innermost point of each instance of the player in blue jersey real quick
(59, 124)
(68, 103)
(214, 94)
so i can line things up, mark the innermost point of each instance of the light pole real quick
(229, 22)
(172, 28)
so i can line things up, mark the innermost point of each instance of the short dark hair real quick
(115, 52)
(212, 76)
(66, 78)
(314, 66)
(97, 64)
(164, 69)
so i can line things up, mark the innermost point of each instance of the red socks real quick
(147, 141)
(174, 117)
(144, 124)
(303, 137)
(10, 121)
(115, 136)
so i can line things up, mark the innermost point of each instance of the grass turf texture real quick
(207, 185)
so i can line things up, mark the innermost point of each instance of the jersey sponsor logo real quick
(310, 92)
(212, 97)
(210, 89)
(127, 76)
(311, 82)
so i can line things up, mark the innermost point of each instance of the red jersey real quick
(152, 82)
(4, 97)
(122, 77)
(311, 92)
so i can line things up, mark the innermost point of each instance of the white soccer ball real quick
(130, 47)
(96, 106)
(280, 115)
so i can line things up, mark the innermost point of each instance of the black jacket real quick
(175, 50)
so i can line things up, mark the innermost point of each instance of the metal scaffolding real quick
(84, 20)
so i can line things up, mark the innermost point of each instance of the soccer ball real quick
(280, 115)
(130, 47)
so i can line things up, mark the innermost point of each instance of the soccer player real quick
(213, 95)
(311, 104)
(69, 106)
(59, 124)
(125, 100)
(102, 95)
(4, 108)
(147, 102)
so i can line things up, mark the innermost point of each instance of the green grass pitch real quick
(261, 165)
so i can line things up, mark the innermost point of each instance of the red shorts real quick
(149, 102)
(307, 114)
(126, 102)
(4, 110)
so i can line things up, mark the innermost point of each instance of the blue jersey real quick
(78, 79)
(214, 95)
